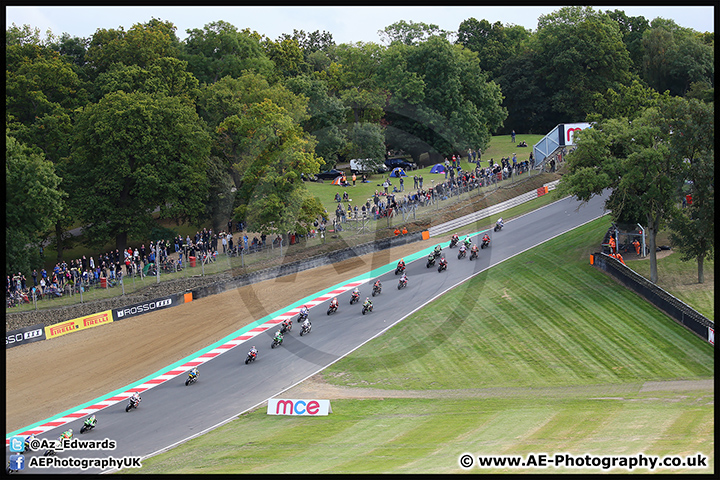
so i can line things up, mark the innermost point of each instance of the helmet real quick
(70, 431)
(367, 299)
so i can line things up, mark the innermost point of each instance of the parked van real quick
(365, 165)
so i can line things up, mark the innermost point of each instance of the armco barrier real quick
(679, 311)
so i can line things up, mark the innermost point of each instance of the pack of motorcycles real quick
(306, 327)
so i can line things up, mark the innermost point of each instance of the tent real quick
(337, 180)
(438, 168)
(398, 172)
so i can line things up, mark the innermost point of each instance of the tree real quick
(220, 50)
(268, 151)
(33, 202)
(632, 158)
(581, 51)
(675, 57)
(439, 100)
(494, 43)
(326, 116)
(142, 45)
(692, 124)
(626, 101)
(410, 33)
(366, 140)
(134, 153)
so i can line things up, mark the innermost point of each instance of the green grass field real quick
(535, 355)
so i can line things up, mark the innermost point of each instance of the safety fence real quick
(679, 311)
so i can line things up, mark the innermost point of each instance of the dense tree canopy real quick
(224, 122)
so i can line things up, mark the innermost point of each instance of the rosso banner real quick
(25, 335)
(80, 323)
(149, 306)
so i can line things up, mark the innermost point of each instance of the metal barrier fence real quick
(679, 311)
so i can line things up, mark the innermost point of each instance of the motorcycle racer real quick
(401, 263)
(474, 249)
(499, 222)
(334, 302)
(135, 398)
(367, 302)
(278, 337)
(404, 278)
(253, 351)
(467, 242)
(437, 250)
(486, 238)
(91, 420)
(443, 262)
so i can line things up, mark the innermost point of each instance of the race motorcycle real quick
(87, 426)
(132, 403)
(366, 309)
(332, 309)
(376, 290)
(454, 241)
(485, 243)
(399, 269)
(276, 343)
(473, 255)
(461, 254)
(430, 261)
(305, 329)
(285, 327)
(302, 317)
(355, 297)
(442, 267)
(252, 356)
(402, 284)
(9, 470)
(192, 378)
(498, 226)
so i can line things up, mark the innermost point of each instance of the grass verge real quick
(535, 355)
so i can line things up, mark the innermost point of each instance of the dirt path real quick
(49, 377)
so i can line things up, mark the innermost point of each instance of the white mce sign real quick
(305, 408)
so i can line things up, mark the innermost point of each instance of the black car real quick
(329, 175)
(399, 162)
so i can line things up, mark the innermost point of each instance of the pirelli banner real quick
(81, 323)
(25, 335)
(148, 306)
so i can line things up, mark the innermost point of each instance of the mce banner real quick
(305, 408)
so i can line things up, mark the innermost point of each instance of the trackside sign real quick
(305, 408)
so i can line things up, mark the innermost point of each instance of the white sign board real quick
(305, 408)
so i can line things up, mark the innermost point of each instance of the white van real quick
(365, 165)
